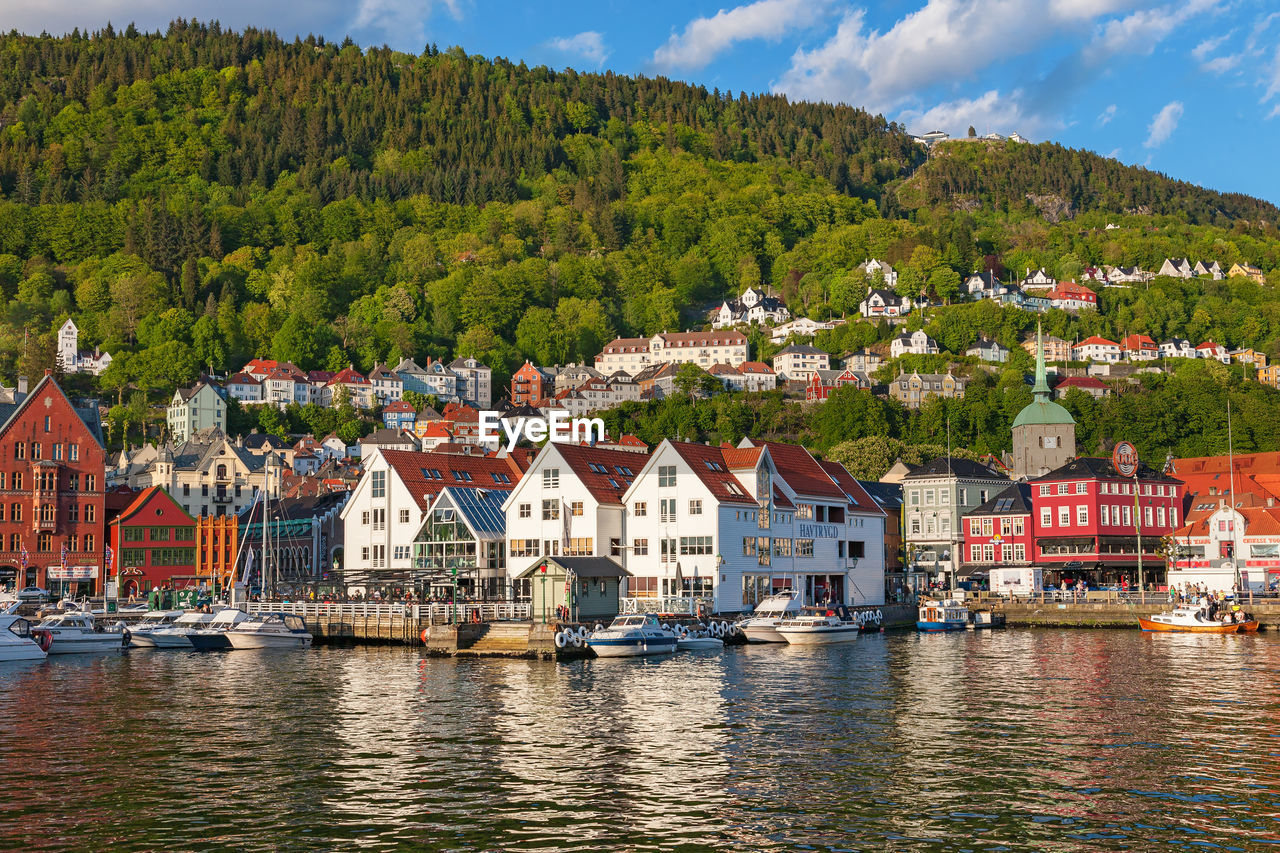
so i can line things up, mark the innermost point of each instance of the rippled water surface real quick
(1013, 740)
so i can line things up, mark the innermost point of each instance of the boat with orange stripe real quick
(1195, 620)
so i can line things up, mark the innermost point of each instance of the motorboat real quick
(270, 631)
(178, 635)
(986, 619)
(19, 641)
(761, 626)
(820, 627)
(633, 636)
(77, 632)
(140, 632)
(949, 615)
(696, 640)
(213, 636)
(1195, 620)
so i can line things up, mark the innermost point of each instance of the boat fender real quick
(666, 626)
(599, 627)
(879, 617)
(43, 639)
(717, 629)
(561, 642)
(577, 640)
(709, 629)
(424, 634)
(582, 631)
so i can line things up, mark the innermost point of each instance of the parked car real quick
(32, 593)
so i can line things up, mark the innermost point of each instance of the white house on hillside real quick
(72, 359)
(913, 343)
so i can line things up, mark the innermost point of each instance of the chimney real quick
(22, 384)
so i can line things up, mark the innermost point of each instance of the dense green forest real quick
(196, 198)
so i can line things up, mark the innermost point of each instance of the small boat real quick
(178, 635)
(270, 631)
(820, 628)
(948, 615)
(1195, 620)
(213, 637)
(761, 626)
(19, 641)
(696, 641)
(140, 632)
(986, 619)
(77, 632)
(633, 636)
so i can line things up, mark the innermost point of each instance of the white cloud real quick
(986, 113)
(589, 45)
(1208, 46)
(704, 39)
(1163, 124)
(1221, 64)
(1105, 117)
(398, 19)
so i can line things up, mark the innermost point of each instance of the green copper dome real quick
(1042, 411)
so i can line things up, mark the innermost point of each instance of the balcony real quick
(222, 498)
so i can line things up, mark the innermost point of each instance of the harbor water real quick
(1008, 740)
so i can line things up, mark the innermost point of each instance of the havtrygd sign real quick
(557, 428)
(809, 530)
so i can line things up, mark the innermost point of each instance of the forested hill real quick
(117, 114)
(1059, 182)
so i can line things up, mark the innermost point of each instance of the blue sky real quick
(1188, 87)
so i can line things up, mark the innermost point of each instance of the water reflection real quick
(1044, 740)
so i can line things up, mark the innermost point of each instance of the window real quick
(364, 517)
(526, 511)
(364, 553)
(975, 526)
(804, 547)
(914, 497)
(1006, 553)
(666, 476)
(20, 450)
(1104, 514)
(575, 509)
(668, 550)
(1160, 516)
(400, 552)
(748, 545)
(1082, 515)
(928, 497)
(1046, 517)
(1082, 488)
(641, 548)
(48, 423)
(90, 483)
(667, 508)
(158, 534)
(694, 545)
(1044, 491)
(1147, 516)
(524, 547)
(1062, 488)
(640, 508)
(988, 553)
(782, 547)
(404, 516)
(988, 525)
(975, 552)
(73, 452)
(550, 509)
(695, 507)
(915, 526)
(379, 519)
(88, 541)
(1006, 526)
(44, 543)
(964, 497)
(1128, 515)
(804, 511)
(1064, 516)
(378, 484)
(17, 479)
(15, 542)
(57, 452)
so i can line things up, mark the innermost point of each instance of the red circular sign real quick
(1125, 459)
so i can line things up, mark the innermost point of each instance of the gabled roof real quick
(858, 497)
(800, 349)
(418, 471)
(144, 497)
(602, 470)
(1096, 340)
(797, 467)
(1088, 467)
(88, 413)
(242, 379)
(1015, 500)
(714, 470)
(1081, 382)
(481, 510)
(755, 367)
(348, 376)
(397, 406)
(964, 468)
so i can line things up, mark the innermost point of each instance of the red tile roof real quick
(754, 367)
(242, 379)
(1082, 382)
(606, 481)
(348, 376)
(719, 480)
(858, 497)
(1095, 339)
(398, 406)
(418, 472)
(800, 470)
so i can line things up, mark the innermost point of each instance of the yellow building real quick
(1270, 375)
(1248, 272)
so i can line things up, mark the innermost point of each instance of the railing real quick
(1093, 596)
(432, 613)
(667, 604)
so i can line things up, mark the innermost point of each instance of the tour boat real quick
(633, 636)
(76, 632)
(213, 637)
(948, 615)
(19, 641)
(140, 632)
(762, 625)
(178, 635)
(820, 628)
(270, 631)
(1194, 620)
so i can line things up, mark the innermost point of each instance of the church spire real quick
(1041, 388)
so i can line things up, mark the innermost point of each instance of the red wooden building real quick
(52, 481)
(1087, 518)
(529, 386)
(1001, 532)
(154, 541)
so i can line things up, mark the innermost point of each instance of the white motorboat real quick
(140, 632)
(761, 626)
(820, 628)
(633, 636)
(270, 631)
(19, 641)
(77, 632)
(213, 637)
(178, 635)
(699, 644)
